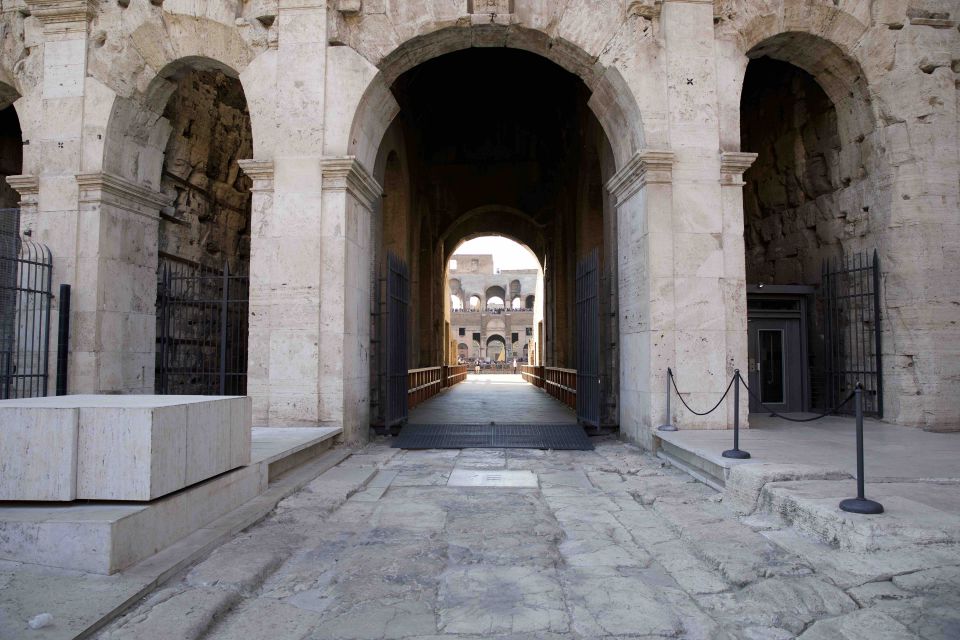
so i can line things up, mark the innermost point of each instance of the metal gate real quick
(201, 330)
(851, 306)
(26, 269)
(588, 339)
(398, 305)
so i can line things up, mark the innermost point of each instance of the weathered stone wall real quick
(209, 220)
(794, 207)
(663, 80)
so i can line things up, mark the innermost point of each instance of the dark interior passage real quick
(516, 153)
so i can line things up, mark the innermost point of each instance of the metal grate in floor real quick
(493, 436)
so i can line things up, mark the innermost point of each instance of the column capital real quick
(345, 173)
(260, 171)
(27, 186)
(106, 188)
(648, 166)
(63, 16)
(732, 166)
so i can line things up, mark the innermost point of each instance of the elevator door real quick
(776, 364)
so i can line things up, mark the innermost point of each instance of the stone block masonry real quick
(133, 119)
(118, 447)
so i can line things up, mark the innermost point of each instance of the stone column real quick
(732, 166)
(263, 293)
(642, 193)
(285, 247)
(349, 193)
(114, 318)
(699, 309)
(285, 294)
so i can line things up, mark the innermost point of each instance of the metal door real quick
(776, 364)
(398, 304)
(588, 339)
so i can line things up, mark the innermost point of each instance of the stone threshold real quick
(704, 464)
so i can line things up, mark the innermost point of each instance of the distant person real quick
(514, 365)
(476, 367)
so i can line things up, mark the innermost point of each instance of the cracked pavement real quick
(612, 544)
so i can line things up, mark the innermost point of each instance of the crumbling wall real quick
(795, 212)
(209, 222)
(207, 226)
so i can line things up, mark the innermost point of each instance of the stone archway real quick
(171, 177)
(450, 214)
(668, 229)
(827, 201)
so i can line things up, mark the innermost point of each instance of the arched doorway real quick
(496, 349)
(520, 155)
(204, 236)
(810, 208)
(11, 164)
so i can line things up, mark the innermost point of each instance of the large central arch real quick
(612, 101)
(553, 201)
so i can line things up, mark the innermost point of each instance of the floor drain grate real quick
(495, 436)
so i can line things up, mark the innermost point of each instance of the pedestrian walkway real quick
(528, 544)
(500, 398)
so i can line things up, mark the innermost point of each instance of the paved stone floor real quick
(489, 397)
(611, 544)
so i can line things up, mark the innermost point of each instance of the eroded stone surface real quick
(580, 556)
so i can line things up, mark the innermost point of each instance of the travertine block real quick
(123, 447)
(38, 454)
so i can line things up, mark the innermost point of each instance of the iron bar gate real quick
(588, 339)
(398, 304)
(851, 303)
(201, 330)
(26, 269)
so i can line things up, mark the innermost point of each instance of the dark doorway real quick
(777, 350)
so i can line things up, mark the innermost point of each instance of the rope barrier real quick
(755, 397)
(778, 415)
(688, 406)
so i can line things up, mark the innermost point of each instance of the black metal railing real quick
(26, 269)
(851, 307)
(202, 324)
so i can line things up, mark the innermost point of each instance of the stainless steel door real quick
(775, 365)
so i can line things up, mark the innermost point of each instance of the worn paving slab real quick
(607, 544)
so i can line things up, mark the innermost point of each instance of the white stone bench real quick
(113, 447)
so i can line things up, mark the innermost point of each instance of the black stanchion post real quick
(860, 504)
(736, 452)
(63, 338)
(669, 426)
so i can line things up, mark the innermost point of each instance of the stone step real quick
(107, 537)
(813, 506)
(807, 497)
